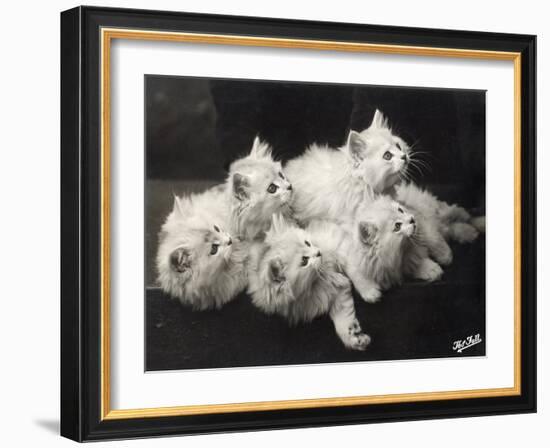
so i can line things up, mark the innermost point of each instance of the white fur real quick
(479, 223)
(448, 221)
(202, 280)
(279, 282)
(251, 205)
(330, 184)
(373, 254)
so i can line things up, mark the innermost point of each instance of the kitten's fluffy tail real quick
(479, 223)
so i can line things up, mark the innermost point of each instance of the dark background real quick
(195, 127)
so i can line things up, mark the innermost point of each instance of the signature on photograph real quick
(462, 344)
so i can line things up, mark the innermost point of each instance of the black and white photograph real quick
(274, 223)
(292, 223)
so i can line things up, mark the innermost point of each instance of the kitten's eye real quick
(217, 229)
(281, 175)
(272, 188)
(304, 261)
(400, 210)
(214, 249)
(387, 155)
(398, 146)
(397, 227)
(308, 244)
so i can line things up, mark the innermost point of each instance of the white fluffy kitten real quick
(451, 222)
(256, 189)
(447, 221)
(332, 183)
(197, 260)
(289, 275)
(378, 247)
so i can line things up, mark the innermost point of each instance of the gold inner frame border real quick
(107, 36)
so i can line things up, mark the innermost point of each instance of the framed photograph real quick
(275, 224)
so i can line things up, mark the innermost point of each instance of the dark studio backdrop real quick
(195, 127)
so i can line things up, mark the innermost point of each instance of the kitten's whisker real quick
(421, 152)
(419, 172)
(406, 176)
(418, 169)
(413, 162)
(414, 144)
(412, 176)
(415, 157)
(419, 233)
(418, 157)
(423, 163)
(418, 240)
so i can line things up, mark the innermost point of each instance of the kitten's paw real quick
(464, 233)
(457, 213)
(479, 223)
(360, 341)
(461, 214)
(357, 340)
(371, 295)
(429, 271)
(444, 255)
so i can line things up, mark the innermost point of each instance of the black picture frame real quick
(81, 208)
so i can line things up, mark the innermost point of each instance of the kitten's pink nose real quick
(412, 221)
(230, 242)
(318, 253)
(404, 157)
(289, 188)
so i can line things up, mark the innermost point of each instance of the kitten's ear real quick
(276, 270)
(367, 232)
(178, 208)
(259, 149)
(255, 146)
(356, 145)
(180, 260)
(241, 184)
(379, 120)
